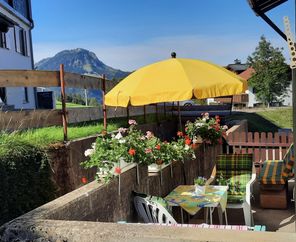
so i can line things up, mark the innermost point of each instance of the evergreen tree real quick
(271, 77)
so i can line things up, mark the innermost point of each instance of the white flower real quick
(93, 145)
(193, 156)
(225, 127)
(89, 152)
(118, 136)
(122, 141)
(187, 147)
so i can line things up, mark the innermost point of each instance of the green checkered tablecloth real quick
(185, 197)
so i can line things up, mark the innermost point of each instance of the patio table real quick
(185, 197)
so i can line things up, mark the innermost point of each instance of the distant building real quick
(16, 50)
(249, 98)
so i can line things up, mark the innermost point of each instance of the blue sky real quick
(128, 34)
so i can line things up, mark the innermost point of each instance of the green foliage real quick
(208, 129)
(271, 77)
(25, 177)
(131, 145)
(200, 181)
(93, 102)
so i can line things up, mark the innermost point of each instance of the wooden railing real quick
(15, 120)
(263, 146)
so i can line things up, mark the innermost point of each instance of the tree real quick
(93, 102)
(271, 77)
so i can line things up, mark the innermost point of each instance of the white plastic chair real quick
(152, 212)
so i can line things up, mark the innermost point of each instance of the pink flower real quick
(122, 130)
(149, 135)
(132, 122)
(148, 150)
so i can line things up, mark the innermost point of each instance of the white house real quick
(16, 50)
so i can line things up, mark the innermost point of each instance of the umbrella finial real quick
(173, 55)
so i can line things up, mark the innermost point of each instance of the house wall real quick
(12, 58)
(288, 98)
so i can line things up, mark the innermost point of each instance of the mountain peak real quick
(80, 61)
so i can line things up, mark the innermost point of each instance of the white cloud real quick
(220, 50)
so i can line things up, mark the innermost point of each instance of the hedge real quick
(25, 180)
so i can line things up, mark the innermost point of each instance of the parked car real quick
(185, 103)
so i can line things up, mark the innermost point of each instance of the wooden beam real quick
(33, 78)
(29, 78)
(82, 81)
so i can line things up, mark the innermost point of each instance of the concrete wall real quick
(103, 203)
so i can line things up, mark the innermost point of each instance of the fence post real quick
(63, 98)
(145, 118)
(103, 98)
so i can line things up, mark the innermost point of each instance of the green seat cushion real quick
(236, 181)
(234, 162)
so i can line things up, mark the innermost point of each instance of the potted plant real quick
(199, 184)
(206, 129)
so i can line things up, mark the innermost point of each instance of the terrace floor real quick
(277, 220)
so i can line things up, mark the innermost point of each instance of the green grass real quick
(268, 120)
(69, 105)
(50, 135)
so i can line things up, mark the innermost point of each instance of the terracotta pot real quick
(159, 162)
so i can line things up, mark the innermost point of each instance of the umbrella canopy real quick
(175, 79)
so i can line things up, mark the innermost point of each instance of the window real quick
(3, 43)
(20, 37)
(26, 96)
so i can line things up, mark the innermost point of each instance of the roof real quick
(237, 67)
(247, 74)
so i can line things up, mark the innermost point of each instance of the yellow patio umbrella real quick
(175, 79)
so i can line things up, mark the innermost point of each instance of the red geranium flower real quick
(117, 170)
(157, 147)
(132, 152)
(187, 141)
(84, 180)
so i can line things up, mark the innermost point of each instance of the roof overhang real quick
(262, 6)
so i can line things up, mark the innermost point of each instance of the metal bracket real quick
(291, 42)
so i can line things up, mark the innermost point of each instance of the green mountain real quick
(80, 61)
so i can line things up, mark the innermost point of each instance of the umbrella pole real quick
(179, 115)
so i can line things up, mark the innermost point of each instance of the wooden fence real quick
(263, 146)
(15, 120)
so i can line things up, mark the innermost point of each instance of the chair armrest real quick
(212, 177)
(249, 186)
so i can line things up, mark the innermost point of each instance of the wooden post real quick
(179, 115)
(156, 111)
(145, 118)
(103, 99)
(63, 98)
(127, 113)
(231, 103)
